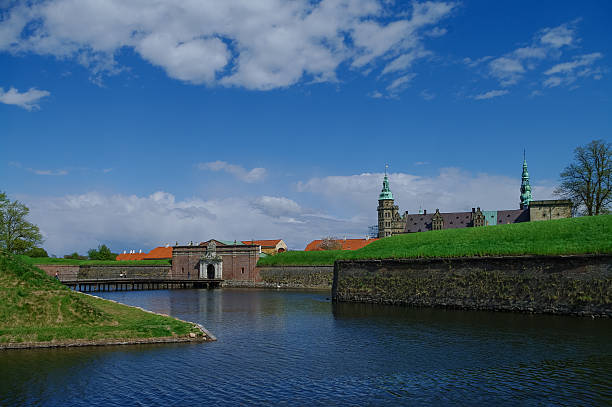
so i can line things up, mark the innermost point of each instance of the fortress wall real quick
(129, 271)
(296, 276)
(573, 285)
(64, 271)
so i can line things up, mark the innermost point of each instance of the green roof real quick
(386, 191)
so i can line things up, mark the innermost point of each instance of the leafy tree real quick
(102, 253)
(330, 243)
(587, 182)
(75, 256)
(37, 252)
(17, 235)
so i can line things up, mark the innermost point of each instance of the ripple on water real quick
(296, 348)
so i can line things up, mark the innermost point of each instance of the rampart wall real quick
(296, 276)
(576, 285)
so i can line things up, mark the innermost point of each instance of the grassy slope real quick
(51, 260)
(36, 308)
(563, 236)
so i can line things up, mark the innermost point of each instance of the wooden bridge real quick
(131, 284)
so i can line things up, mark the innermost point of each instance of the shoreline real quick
(203, 336)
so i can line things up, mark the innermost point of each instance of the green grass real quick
(564, 236)
(35, 308)
(51, 260)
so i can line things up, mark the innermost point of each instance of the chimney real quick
(367, 237)
(473, 210)
(140, 251)
(424, 211)
(478, 209)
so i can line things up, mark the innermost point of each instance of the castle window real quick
(242, 270)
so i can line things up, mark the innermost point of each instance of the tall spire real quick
(386, 191)
(525, 187)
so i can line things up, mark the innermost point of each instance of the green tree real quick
(587, 182)
(75, 256)
(102, 253)
(17, 235)
(37, 252)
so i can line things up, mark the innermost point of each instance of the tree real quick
(102, 253)
(17, 235)
(75, 256)
(330, 243)
(587, 182)
(37, 252)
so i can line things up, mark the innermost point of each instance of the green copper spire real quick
(386, 192)
(525, 187)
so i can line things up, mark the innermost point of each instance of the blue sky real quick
(135, 126)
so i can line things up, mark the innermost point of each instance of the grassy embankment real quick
(564, 236)
(51, 260)
(35, 308)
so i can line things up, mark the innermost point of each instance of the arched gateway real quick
(211, 265)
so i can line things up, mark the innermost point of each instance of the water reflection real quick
(297, 348)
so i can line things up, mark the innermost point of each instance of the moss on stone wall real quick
(551, 284)
(297, 277)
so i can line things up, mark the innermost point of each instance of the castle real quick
(390, 222)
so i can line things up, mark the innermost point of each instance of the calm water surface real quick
(296, 348)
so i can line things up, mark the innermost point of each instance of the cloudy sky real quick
(144, 122)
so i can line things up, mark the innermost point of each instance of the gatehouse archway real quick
(210, 271)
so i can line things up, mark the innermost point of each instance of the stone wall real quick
(577, 285)
(126, 271)
(64, 271)
(296, 276)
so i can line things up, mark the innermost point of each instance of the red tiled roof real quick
(159, 253)
(347, 244)
(264, 243)
(130, 256)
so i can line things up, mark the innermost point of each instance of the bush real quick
(102, 253)
(36, 252)
(75, 256)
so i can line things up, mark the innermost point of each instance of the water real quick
(297, 348)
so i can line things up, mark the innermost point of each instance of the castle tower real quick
(525, 187)
(385, 209)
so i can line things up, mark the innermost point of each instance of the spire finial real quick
(386, 191)
(526, 197)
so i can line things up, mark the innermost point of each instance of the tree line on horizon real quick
(587, 182)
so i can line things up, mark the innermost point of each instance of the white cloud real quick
(491, 94)
(400, 83)
(28, 99)
(559, 36)
(277, 206)
(451, 190)
(38, 171)
(427, 95)
(81, 222)
(547, 45)
(567, 73)
(254, 175)
(253, 44)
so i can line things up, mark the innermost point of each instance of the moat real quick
(297, 348)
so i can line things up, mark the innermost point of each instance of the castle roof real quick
(417, 222)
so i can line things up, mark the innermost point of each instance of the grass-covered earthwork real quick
(35, 309)
(582, 235)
